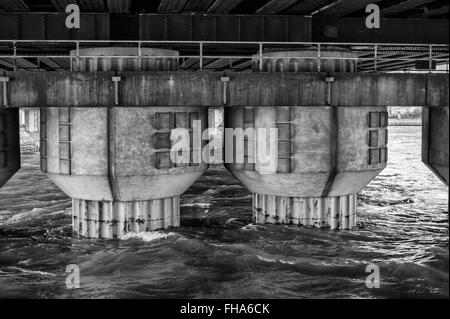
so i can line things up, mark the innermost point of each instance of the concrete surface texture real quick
(106, 135)
(30, 119)
(9, 143)
(325, 154)
(309, 60)
(113, 59)
(115, 161)
(435, 135)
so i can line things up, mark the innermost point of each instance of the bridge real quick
(104, 100)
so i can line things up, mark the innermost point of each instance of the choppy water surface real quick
(219, 253)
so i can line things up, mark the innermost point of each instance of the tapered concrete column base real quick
(106, 219)
(320, 212)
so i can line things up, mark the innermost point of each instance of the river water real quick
(219, 253)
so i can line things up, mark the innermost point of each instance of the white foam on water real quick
(271, 260)
(25, 216)
(22, 216)
(31, 272)
(201, 205)
(147, 236)
(250, 227)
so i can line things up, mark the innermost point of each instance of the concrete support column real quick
(31, 122)
(322, 212)
(9, 143)
(113, 219)
(215, 125)
(115, 162)
(435, 140)
(323, 155)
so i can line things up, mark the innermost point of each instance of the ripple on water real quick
(220, 253)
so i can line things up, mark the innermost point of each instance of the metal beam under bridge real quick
(184, 27)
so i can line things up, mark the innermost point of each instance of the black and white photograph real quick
(220, 157)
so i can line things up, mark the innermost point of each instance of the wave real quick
(148, 236)
(28, 271)
(34, 214)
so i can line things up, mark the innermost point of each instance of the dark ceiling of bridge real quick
(430, 9)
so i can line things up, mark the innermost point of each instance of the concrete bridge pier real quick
(435, 140)
(114, 162)
(324, 155)
(9, 143)
(31, 122)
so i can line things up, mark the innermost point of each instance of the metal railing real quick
(371, 57)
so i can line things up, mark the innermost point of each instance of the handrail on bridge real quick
(370, 53)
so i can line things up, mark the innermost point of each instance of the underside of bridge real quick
(111, 93)
(402, 21)
(353, 8)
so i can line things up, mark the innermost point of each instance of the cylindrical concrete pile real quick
(115, 162)
(331, 60)
(9, 143)
(323, 155)
(120, 59)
